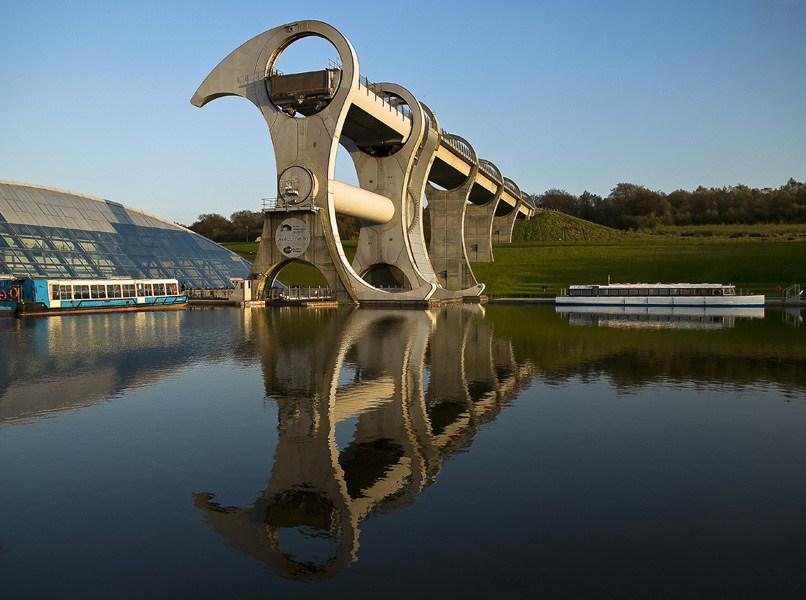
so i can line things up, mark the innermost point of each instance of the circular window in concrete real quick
(305, 76)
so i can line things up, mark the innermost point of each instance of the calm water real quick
(463, 452)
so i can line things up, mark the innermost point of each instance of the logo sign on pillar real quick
(292, 237)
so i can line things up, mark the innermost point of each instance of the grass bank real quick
(523, 269)
(755, 265)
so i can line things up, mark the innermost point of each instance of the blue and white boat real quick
(22, 295)
(668, 295)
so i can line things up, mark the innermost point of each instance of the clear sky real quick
(570, 94)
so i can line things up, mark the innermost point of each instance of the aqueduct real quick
(401, 156)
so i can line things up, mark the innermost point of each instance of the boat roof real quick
(654, 285)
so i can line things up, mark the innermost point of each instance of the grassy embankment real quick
(555, 250)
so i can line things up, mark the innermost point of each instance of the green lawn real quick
(758, 265)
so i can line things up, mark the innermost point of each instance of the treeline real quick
(247, 225)
(630, 206)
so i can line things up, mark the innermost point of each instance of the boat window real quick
(622, 292)
(653, 291)
(173, 288)
(66, 292)
(128, 290)
(674, 292)
(604, 292)
(685, 292)
(159, 289)
(587, 293)
(633, 292)
(113, 291)
(141, 290)
(54, 292)
(574, 293)
(147, 289)
(81, 292)
(663, 291)
(98, 291)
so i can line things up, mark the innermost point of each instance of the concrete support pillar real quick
(479, 222)
(308, 115)
(447, 250)
(504, 221)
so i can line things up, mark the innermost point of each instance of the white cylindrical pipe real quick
(355, 202)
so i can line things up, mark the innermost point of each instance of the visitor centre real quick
(45, 232)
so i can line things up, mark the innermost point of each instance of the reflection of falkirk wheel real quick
(398, 149)
(369, 409)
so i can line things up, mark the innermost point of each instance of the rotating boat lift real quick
(401, 156)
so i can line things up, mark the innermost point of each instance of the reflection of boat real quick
(669, 295)
(24, 295)
(657, 317)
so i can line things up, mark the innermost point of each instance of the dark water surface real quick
(461, 452)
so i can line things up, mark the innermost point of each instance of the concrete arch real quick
(503, 224)
(400, 157)
(479, 220)
(447, 207)
(390, 176)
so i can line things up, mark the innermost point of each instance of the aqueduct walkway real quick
(403, 159)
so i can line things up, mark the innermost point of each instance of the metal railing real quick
(393, 102)
(457, 144)
(281, 204)
(296, 293)
(490, 171)
(792, 291)
(512, 187)
(209, 294)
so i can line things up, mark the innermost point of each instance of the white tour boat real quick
(668, 295)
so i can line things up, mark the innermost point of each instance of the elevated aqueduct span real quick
(401, 155)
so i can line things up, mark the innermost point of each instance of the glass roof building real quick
(51, 233)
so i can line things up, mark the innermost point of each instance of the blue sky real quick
(571, 94)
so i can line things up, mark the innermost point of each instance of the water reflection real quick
(650, 317)
(370, 405)
(52, 364)
(751, 352)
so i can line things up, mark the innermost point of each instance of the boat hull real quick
(663, 301)
(22, 296)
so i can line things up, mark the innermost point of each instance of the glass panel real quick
(113, 290)
(66, 292)
(128, 290)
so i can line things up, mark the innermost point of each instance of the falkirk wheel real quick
(401, 156)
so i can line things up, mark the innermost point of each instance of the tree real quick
(213, 226)
(246, 225)
(639, 207)
(559, 200)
